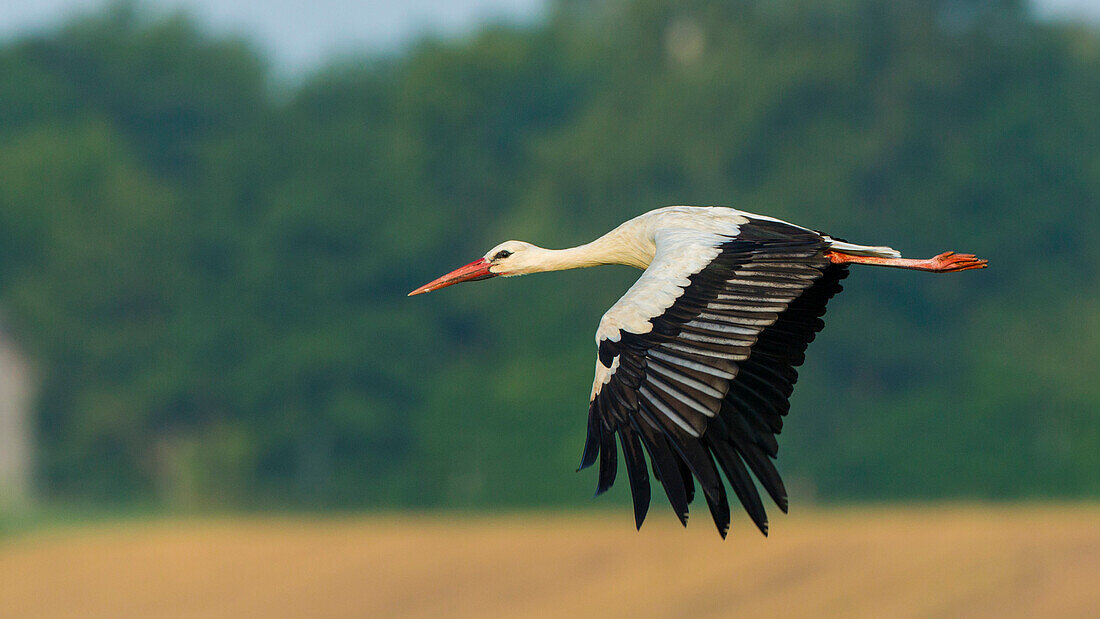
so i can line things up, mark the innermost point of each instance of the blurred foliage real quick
(210, 270)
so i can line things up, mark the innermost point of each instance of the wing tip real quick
(683, 519)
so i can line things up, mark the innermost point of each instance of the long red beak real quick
(478, 269)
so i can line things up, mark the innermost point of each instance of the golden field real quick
(1038, 561)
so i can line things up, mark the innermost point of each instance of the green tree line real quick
(208, 266)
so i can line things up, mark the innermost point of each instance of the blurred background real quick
(210, 214)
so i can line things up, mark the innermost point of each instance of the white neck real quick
(615, 247)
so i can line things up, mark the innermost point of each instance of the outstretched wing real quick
(696, 364)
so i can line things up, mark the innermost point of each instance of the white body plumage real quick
(689, 237)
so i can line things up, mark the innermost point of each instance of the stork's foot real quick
(947, 262)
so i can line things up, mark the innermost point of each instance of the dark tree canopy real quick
(210, 270)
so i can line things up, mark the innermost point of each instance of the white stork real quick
(697, 360)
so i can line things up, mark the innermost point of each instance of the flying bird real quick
(696, 362)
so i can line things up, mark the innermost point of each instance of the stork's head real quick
(508, 258)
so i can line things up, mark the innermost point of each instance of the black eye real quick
(502, 254)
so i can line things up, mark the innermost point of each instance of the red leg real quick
(946, 262)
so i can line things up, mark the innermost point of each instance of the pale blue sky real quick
(300, 33)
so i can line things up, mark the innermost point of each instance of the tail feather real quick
(863, 250)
